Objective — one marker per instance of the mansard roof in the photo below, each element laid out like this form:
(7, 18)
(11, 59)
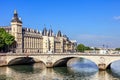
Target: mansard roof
(30, 30)
(15, 17)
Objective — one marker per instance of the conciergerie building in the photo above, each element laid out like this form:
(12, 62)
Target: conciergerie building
(33, 41)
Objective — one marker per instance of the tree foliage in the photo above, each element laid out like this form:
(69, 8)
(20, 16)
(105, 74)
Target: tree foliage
(6, 39)
(1, 42)
(82, 48)
(117, 49)
(9, 39)
(2, 37)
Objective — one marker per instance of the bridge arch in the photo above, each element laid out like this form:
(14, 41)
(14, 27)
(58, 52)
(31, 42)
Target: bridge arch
(62, 62)
(23, 60)
(108, 66)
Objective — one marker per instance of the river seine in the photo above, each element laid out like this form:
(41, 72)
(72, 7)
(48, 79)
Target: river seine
(38, 71)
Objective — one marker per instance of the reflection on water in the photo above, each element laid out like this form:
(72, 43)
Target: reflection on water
(38, 72)
(115, 69)
(23, 68)
(82, 72)
(71, 74)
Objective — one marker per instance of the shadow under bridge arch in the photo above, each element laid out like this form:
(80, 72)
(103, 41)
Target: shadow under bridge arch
(23, 60)
(113, 64)
(62, 62)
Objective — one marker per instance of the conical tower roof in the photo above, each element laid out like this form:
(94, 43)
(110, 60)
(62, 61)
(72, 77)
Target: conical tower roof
(59, 34)
(15, 17)
(50, 33)
(44, 32)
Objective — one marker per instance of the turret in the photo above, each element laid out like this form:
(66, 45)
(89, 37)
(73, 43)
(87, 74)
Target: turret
(45, 40)
(60, 38)
(51, 40)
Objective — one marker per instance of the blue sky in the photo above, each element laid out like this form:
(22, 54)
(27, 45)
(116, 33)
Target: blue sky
(91, 22)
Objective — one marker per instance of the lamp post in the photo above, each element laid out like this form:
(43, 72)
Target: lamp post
(103, 48)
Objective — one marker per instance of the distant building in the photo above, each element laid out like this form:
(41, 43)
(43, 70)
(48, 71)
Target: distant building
(32, 41)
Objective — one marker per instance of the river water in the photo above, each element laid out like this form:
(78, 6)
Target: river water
(38, 71)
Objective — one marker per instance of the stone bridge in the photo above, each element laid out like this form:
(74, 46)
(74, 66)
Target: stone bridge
(103, 61)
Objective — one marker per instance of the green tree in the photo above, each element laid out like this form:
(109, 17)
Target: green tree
(9, 39)
(1, 42)
(117, 49)
(2, 37)
(96, 48)
(80, 48)
(88, 48)
(6, 39)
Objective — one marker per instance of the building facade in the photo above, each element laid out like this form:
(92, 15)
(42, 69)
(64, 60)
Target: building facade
(33, 41)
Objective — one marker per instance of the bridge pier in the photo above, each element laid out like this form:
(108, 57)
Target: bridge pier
(49, 64)
(102, 66)
(3, 60)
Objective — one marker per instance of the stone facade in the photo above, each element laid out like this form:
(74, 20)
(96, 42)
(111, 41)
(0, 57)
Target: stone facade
(33, 41)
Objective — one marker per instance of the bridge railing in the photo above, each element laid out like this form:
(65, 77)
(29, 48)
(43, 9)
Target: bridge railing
(35, 54)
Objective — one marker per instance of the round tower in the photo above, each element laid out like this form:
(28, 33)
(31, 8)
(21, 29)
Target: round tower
(51, 39)
(45, 40)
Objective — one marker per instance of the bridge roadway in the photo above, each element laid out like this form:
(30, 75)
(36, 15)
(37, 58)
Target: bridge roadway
(103, 61)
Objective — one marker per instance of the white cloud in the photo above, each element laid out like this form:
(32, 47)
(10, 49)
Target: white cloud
(116, 17)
